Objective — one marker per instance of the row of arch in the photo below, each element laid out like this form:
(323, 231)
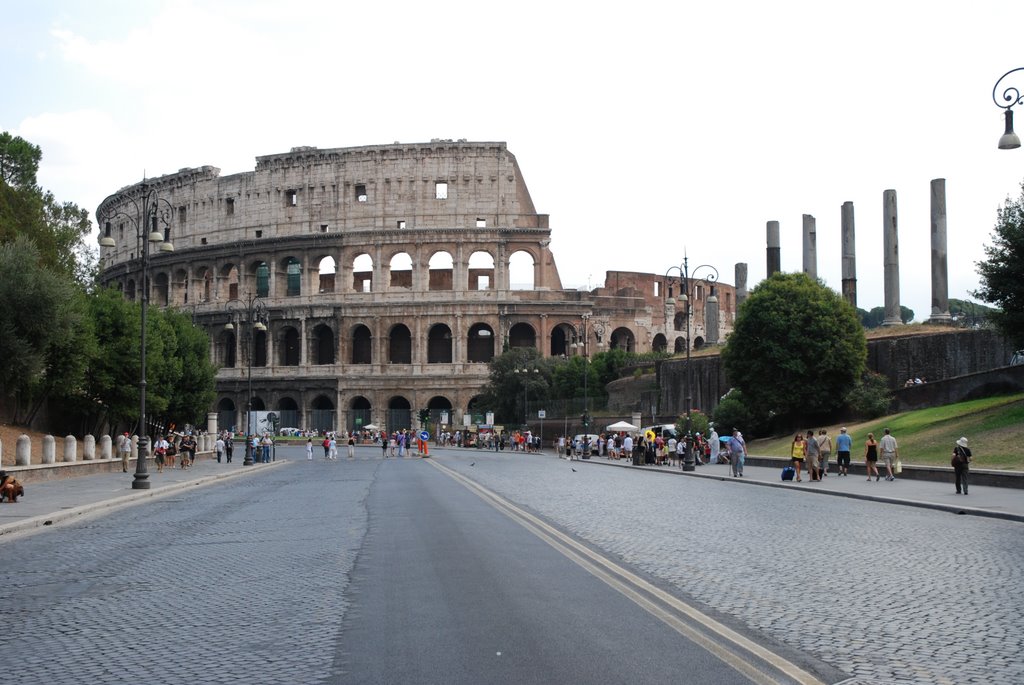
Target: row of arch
(286, 346)
(397, 414)
(289, 277)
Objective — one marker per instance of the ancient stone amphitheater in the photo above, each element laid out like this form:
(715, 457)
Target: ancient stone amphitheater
(352, 286)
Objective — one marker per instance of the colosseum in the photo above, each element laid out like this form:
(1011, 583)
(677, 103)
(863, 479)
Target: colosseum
(351, 286)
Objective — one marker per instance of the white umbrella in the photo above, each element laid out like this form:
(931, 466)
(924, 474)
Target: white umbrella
(371, 427)
(621, 426)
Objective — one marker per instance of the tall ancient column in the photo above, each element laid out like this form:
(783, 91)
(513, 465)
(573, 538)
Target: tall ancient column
(849, 248)
(940, 276)
(810, 247)
(741, 284)
(711, 317)
(891, 260)
(774, 254)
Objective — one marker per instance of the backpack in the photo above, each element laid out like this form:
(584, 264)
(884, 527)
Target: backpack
(327, 442)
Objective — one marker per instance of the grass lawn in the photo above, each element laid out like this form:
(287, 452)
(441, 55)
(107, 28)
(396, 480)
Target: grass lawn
(993, 425)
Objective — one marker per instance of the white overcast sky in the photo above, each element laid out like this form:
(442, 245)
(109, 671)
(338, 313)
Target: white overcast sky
(644, 128)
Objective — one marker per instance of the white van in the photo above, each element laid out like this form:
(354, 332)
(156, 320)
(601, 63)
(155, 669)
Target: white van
(665, 430)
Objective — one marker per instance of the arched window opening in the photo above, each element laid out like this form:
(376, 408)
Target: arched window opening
(680, 345)
(288, 413)
(259, 348)
(520, 271)
(227, 414)
(660, 343)
(323, 345)
(226, 349)
(361, 345)
(522, 335)
(294, 274)
(440, 407)
(362, 273)
(321, 414)
(439, 345)
(399, 414)
(262, 280)
(359, 411)
(400, 345)
(481, 271)
(327, 271)
(622, 339)
(289, 346)
(441, 270)
(401, 271)
(480, 343)
(162, 285)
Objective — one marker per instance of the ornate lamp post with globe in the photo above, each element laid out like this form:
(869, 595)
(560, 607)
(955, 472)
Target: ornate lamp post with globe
(1010, 96)
(255, 319)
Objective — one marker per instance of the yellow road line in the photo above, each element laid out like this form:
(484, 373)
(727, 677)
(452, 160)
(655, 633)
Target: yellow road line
(634, 587)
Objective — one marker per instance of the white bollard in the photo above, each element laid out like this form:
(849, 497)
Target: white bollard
(70, 449)
(23, 451)
(89, 448)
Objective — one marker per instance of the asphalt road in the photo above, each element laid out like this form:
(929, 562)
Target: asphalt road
(476, 567)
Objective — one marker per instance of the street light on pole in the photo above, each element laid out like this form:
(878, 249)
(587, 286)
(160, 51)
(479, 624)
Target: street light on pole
(526, 372)
(1011, 96)
(150, 211)
(255, 320)
(687, 290)
(581, 345)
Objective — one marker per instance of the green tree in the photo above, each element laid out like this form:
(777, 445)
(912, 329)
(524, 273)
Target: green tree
(795, 349)
(508, 385)
(194, 391)
(876, 316)
(45, 336)
(1002, 270)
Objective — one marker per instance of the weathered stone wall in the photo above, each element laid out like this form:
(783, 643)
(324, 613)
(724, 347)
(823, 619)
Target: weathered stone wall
(1004, 380)
(938, 356)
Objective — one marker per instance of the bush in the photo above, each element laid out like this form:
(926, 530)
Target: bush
(698, 423)
(732, 412)
(870, 397)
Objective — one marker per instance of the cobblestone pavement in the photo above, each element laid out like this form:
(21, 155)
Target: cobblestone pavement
(885, 593)
(276, 548)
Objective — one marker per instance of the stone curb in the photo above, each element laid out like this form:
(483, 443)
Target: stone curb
(953, 509)
(41, 520)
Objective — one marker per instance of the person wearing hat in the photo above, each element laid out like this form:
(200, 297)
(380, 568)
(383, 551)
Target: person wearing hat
(124, 450)
(960, 461)
(844, 445)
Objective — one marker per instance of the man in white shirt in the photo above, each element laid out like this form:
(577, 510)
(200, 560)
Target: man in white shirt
(890, 453)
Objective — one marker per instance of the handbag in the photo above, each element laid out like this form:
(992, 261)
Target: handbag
(899, 466)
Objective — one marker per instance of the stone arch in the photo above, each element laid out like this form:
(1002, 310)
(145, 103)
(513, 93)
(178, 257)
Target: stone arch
(622, 339)
(203, 284)
(180, 291)
(441, 269)
(400, 267)
(476, 409)
(400, 344)
(399, 414)
(289, 413)
(698, 342)
(562, 337)
(327, 269)
(291, 283)
(161, 286)
(679, 322)
(680, 344)
(227, 345)
(481, 271)
(660, 343)
(359, 413)
(259, 348)
(323, 344)
(437, 405)
(439, 344)
(480, 343)
(227, 414)
(229, 275)
(261, 272)
(362, 345)
(521, 270)
(289, 342)
(321, 414)
(522, 335)
(362, 273)
(129, 289)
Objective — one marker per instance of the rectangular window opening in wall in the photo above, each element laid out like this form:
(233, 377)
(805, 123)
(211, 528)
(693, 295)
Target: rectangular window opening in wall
(182, 213)
(481, 223)
(657, 289)
(203, 241)
(324, 228)
(360, 192)
(291, 198)
(401, 223)
(259, 234)
(229, 205)
(440, 190)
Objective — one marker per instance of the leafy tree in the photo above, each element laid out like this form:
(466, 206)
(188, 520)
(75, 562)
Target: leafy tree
(506, 389)
(699, 423)
(968, 313)
(876, 316)
(59, 229)
(44, 330)
(194, 391)
(795, 349)
(1002, 271)
(870, 396)
(733, 412)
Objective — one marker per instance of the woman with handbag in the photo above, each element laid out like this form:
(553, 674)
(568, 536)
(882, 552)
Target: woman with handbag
(960, 463)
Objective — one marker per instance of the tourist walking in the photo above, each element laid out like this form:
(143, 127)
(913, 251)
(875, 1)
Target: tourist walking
(824, 450)
(229, 446)
(268, 442)
(714, 446)
(351, 446)
(309, 449)
(796, 453)
(844, 445)
(124, 450)
(187, 447)
(737, 453)
(960, 463)
(218, 447)
(890, 453)
(871, 456)
(332, 448)
(812, 456)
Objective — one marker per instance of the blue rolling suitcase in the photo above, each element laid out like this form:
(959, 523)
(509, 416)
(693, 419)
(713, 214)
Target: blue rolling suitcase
(788, 473)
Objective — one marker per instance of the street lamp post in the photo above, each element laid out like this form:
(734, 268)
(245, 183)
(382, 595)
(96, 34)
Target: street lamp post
(526, 393)
(687, 284)
(150, 211)
(1011, 96)
(581, 344)
(255, 320)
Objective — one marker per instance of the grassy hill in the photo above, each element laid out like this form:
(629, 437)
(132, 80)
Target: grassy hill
(994, 426)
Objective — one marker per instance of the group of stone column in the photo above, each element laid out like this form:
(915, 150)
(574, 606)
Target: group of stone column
(23, 449)
(890, 257)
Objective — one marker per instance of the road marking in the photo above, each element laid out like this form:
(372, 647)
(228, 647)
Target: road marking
(660, 604)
